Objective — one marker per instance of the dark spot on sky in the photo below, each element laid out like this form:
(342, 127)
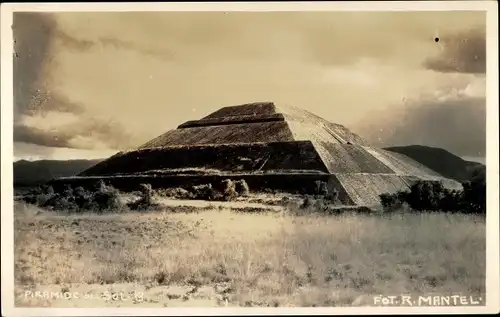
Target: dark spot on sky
(436, 39)
(463, 52)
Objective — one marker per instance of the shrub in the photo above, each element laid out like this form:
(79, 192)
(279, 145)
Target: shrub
(334, 196)
(146, 201)
(474, 196)
(326, 202)
(228, 190)
(84, 199)
(107, 198)
(242, 187)
(390, 202)
(321, 188)
(433, 196)
(426, 195)
(395, 201)
(205, 192)
(306, 203)
(48, 190)
(39, 196)
(325, 195)
(147, 194)
(45, 196)
(452, 201)
(177, 192)
(61, 203)
(103, 197)
(67, 191)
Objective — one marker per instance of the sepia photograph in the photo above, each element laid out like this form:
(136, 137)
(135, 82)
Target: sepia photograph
(196, 156)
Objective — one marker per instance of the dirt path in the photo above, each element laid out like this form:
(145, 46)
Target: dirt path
(219, 204)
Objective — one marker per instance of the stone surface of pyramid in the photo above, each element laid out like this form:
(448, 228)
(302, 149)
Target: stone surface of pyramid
(271, 147)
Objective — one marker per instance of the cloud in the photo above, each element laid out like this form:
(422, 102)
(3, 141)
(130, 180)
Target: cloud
(326, 38)
(32, 152)
(462, 53)
(83, 45)
(72, 42)
(38, 136)
(147, 72)
(33, 33)
(402, 38)
(43, 102)
(453, 120)
(69, 131)
(43, 116)
(156, 53)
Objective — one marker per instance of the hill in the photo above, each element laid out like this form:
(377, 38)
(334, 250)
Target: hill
(441, 161)
(31, 173)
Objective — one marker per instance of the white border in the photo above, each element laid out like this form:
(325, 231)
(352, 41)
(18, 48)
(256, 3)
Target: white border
(492, 156)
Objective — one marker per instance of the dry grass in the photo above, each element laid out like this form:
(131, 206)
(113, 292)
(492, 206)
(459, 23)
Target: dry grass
(260, 259)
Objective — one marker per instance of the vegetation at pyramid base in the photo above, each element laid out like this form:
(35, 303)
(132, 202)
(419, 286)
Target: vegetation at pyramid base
(422, 196)
(433, 196)
(102, 198)
(106, 198)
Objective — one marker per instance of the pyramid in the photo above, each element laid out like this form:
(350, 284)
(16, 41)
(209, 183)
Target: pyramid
(271, 147)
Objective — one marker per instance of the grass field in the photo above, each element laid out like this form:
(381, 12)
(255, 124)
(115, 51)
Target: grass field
(218, 257)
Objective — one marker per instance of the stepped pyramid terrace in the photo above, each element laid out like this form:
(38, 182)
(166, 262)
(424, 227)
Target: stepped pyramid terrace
(270, 147)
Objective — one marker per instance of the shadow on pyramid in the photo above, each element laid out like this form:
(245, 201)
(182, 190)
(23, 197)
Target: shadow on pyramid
(270, 147)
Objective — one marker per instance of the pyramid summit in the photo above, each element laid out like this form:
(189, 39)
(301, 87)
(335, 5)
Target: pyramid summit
(255, 122)
(271, 147)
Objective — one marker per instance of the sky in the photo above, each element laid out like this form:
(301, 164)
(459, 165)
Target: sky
(87, 85)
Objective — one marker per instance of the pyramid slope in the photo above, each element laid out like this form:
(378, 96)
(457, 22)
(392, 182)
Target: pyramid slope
(364, 189)
(223, 159)
(401, 164)
(349, 158)
(256, 122)
(224, 134)
(305, 121)
(269, 146)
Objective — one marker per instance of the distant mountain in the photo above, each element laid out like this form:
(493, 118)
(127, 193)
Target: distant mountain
(31, 173)
(441, 161)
